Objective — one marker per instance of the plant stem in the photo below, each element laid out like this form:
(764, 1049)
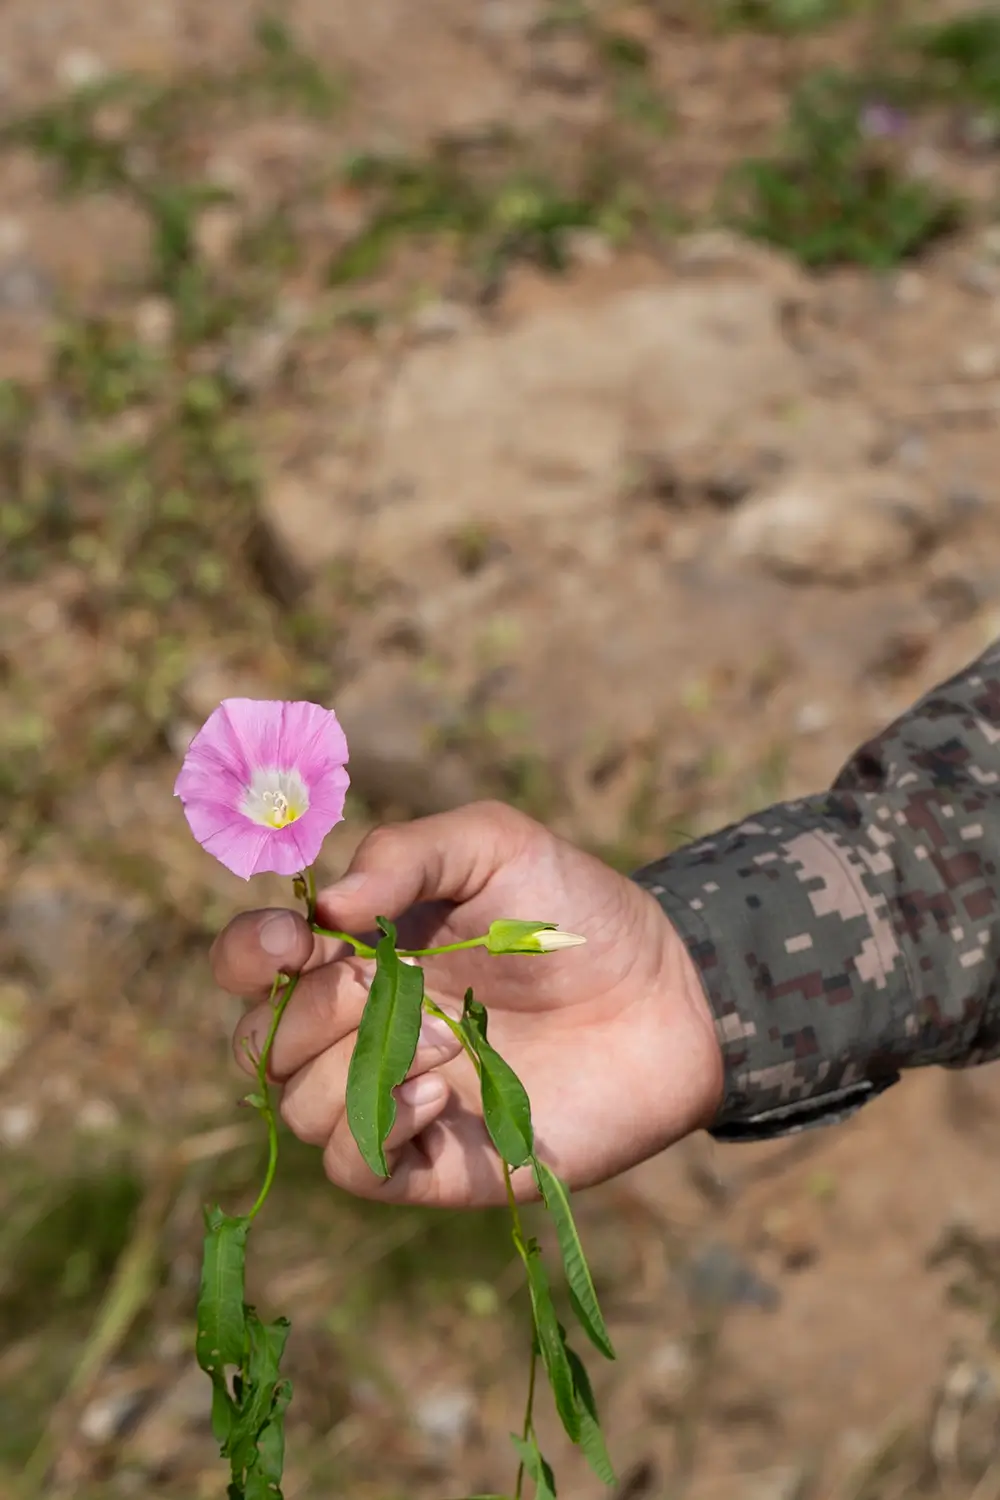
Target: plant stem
(361, 950)
(364, 950)
(519, 1241)
(454, 1026)
(529, 1418)
(477, 942)
(279, 999)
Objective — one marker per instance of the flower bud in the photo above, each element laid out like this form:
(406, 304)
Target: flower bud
(508, 935)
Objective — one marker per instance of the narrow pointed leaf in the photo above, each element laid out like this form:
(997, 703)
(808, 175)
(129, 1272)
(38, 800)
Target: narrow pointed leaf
(506, 1109)
(555, 1195)
(538, 1470)
(551, 1343)
(591, 1436)
(221, 1334)
(383, 1052)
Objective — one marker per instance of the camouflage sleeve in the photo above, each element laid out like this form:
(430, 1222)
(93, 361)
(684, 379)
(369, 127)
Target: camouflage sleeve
(846, 936)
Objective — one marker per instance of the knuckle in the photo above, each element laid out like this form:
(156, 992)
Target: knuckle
(380, 839)
(302, 1118)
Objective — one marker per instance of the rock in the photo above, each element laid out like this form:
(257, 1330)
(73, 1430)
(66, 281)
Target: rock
(666, 1377)
(98, 1117)
(97, 927)
(216, 233)
(107, 1416)
(531, 423)
(563, 60)
(979, 362)
(588, 247)
(24, 289)
(909, 288)
(813, 718)
(18, 1124)
(257, 358)
(717, 1277)
(822, 528)
(394, 724)
(80, 68)
(441, 320)
(446, 1417)
(787, 1482)
(153, 321)
(180, 1410)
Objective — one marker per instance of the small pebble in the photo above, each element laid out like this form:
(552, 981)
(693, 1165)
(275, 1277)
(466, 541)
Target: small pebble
(446, 1416)
(80, 68)
(18, 1123)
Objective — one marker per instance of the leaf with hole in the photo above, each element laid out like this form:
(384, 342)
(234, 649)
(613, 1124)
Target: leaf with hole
(221, 1332)
(266, 1344)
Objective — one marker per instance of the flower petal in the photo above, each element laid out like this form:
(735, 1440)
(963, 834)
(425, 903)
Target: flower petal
(284, 852)
(256, 725)
(241, 846)
(312, 740)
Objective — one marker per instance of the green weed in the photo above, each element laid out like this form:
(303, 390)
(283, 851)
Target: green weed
(831, 195)
(783, 15)
(964, 57)
(524, 218)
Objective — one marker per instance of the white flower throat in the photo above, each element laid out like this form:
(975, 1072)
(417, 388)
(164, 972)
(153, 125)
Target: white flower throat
(275, 798)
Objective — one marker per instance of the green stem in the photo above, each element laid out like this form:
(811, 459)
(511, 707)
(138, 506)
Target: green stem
(279, 999)
(361, 950)
(528, 1426)
(477, 942)
(518, 1236)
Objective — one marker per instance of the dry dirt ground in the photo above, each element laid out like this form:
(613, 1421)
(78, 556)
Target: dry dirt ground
(403, 356)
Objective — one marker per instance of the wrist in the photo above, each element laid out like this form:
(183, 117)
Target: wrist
(689, 1054)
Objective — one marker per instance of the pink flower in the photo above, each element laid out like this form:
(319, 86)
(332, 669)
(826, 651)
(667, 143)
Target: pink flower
(263, 783)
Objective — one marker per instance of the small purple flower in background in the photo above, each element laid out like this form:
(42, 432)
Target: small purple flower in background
(263, 783)
(880, 120)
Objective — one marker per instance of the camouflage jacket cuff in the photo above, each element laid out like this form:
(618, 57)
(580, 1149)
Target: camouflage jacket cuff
(771, 915)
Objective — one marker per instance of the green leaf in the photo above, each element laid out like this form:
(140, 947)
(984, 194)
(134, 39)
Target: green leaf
(555, 1195)
(266, 1346)
(264, 1479)
(221, 1336)
(506, 1108)
(383, 1052)
(591, 1436)
(551, 1343)
(538, 1470)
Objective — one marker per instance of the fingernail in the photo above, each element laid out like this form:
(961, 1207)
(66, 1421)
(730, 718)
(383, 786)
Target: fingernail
(277, 934)
(426, 1089)
(347, 884)
(435, 1033)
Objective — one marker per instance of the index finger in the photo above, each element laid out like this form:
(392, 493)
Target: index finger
(256, 945)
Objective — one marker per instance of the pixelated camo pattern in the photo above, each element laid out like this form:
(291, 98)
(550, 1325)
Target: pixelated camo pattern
(846, 936)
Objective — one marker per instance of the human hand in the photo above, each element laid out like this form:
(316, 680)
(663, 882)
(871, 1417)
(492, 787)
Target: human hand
(614, 1041)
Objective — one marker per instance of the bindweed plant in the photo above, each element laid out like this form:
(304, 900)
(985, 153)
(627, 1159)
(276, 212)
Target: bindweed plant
(261, 785)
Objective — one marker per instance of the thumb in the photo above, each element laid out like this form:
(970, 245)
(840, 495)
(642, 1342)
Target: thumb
(448, 856)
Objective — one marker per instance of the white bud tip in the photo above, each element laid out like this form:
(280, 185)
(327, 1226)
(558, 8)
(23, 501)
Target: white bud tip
(549, 940)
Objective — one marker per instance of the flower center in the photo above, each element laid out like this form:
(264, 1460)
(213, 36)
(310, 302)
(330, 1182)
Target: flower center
(275, 798)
